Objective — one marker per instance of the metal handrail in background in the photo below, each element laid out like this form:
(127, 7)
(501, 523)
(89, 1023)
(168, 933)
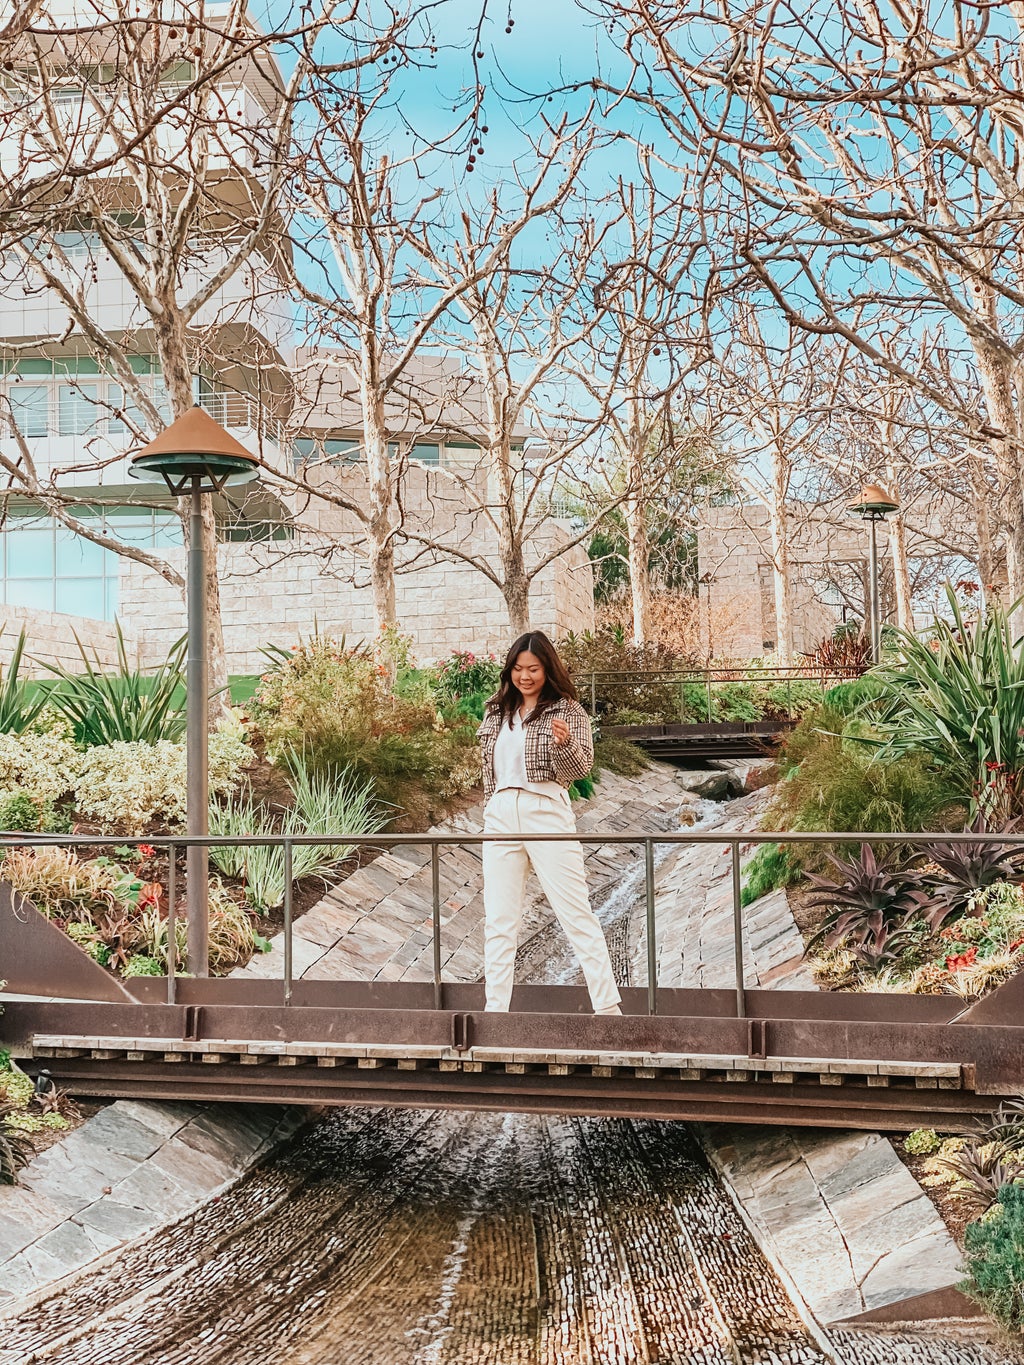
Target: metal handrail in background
(590, 680)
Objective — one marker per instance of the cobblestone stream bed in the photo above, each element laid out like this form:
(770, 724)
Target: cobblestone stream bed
(409, 1238)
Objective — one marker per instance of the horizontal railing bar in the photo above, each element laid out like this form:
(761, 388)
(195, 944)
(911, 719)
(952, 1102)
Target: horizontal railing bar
(724, 674)
(702, 836)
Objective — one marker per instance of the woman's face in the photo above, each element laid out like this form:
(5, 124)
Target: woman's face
(528, 675)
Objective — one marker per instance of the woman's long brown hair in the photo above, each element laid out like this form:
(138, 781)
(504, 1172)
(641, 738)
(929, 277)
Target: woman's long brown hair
(558, 686)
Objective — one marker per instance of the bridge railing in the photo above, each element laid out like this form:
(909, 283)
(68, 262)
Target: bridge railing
(673, 693)
(735, 841)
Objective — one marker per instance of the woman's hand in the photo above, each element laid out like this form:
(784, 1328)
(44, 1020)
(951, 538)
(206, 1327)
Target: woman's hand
(559, 732)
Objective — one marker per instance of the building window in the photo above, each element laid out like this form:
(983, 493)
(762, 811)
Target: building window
(425, 453)
(30, 408)
(76, 409)
(332, 450)
(46, 566)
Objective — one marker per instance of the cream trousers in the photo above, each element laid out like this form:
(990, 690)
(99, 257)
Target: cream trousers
(559, 869)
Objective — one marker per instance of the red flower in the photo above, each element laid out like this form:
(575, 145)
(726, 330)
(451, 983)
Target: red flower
(147, 851)
(956, 964)
(150, 894)
(1017, 943)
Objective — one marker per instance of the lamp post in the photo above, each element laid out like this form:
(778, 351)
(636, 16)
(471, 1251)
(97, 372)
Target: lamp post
(193, 456)
(874, 505)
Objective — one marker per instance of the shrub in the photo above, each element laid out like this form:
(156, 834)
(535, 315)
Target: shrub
(463, 674)
(608, 650)
(21, 813)
(770, 868)
(141, 965)
(128, 787)
(922, 1142)
(994, 1257)
(323, 805)
(847, 648)
(850, 698)
(41, 766)
(837, 787)
(619, 756)
(126, 706)
(335, 707)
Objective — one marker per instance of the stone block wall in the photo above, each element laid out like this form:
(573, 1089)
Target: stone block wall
(734, 547)
(272, 593)
(51, 640)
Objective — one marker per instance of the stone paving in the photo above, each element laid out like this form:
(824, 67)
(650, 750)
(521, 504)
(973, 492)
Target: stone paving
(376, 925)
(126, 1171)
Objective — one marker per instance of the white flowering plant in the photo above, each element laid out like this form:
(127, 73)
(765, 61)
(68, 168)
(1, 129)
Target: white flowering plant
(127, 787)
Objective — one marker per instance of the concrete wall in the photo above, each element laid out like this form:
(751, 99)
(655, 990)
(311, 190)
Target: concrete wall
(51, 640)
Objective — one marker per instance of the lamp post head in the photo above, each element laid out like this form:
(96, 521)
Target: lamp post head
(194, 454)
(874, 502)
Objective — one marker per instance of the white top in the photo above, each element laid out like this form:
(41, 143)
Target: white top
(510, 761)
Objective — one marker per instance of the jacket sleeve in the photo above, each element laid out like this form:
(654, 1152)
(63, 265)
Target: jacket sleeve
(575, 758)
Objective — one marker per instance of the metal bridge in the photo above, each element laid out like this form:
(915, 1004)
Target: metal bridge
(677, 696)
(857, 1060)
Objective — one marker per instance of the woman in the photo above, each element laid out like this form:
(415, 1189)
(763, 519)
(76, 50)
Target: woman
(535, 739)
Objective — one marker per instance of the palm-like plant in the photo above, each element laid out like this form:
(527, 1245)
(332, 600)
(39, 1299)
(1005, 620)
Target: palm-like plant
(15, 1146)
(125, 705)
(959, 696)
(19, 704)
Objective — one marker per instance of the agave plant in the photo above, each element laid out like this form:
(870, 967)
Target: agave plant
(982, 1170)
(968, 869)
(15, 1147)
(868, 903)
(126, 705)
(20, 703)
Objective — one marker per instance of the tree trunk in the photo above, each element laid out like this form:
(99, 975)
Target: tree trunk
(897, 532)
(994, 371)
(639, 552)
(981, 495)
(380, 526)
(780, 555)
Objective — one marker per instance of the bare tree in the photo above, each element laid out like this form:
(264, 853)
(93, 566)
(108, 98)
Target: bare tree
(868, 178)
(145, 156)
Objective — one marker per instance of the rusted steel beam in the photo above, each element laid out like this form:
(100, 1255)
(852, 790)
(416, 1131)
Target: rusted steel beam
(707, 1101)
(994, 1052)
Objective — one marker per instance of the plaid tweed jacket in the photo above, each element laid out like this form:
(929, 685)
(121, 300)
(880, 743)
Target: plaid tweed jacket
(545, 761)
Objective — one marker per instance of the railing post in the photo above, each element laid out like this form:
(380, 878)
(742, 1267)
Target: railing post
(287, 921)
(682, 701)
(652, 932)
(172, 926)
(737, 930)
(707, 679)
(435, 915)
(593, 693)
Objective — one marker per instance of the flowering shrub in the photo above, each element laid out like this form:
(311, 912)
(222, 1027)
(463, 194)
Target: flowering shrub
(464, 673)
(119, 919)
(127, 787)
